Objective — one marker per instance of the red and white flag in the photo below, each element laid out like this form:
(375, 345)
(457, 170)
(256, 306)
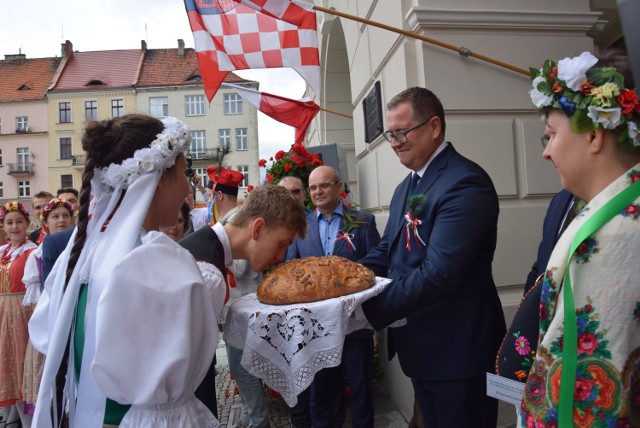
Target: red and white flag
(231, 36)
(296, 12)
(298, 114)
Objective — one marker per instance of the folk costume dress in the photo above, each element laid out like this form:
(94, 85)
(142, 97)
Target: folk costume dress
(14, 319)
(135, 316)
(605, 279)
(33, 360)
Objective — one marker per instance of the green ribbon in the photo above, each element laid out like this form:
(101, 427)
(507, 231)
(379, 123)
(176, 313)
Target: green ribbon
(570, 343)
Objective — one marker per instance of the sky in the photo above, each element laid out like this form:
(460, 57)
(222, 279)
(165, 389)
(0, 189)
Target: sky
(38, 27)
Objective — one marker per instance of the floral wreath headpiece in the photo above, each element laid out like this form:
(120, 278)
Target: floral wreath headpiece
(159, 156)
(52, 205)
(592, 96)
(11, 207)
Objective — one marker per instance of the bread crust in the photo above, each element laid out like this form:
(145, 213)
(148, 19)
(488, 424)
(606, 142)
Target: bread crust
(312, 279)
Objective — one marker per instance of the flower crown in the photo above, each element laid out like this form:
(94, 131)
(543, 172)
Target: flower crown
(12, 206)
(161, 155)
(52, 205)
(592, 96)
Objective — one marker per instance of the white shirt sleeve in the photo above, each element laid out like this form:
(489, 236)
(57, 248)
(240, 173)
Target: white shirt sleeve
(31, 278)
(156, 331)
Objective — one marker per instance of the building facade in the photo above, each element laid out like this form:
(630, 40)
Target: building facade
(223, 131)
(24, 148)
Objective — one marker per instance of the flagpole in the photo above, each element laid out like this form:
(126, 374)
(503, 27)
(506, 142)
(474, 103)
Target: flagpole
(461, 50)
(328, 110)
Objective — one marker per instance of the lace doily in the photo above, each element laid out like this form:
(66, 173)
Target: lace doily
(286, 346)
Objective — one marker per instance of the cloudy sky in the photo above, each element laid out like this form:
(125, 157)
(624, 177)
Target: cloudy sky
(38, 27)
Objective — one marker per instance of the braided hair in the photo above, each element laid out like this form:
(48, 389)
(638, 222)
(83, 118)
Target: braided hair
(105, 143)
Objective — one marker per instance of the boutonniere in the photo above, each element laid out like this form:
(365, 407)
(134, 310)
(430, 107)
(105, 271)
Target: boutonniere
(415, 204)
(350, 221)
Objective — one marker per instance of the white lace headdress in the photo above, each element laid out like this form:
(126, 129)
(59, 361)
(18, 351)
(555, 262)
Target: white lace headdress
(139, 177)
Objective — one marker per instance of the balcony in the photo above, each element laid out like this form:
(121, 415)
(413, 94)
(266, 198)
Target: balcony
(203, 154)
(21, 168)
(78, 160)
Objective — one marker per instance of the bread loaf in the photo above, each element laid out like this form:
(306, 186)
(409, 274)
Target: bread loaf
(312, 279)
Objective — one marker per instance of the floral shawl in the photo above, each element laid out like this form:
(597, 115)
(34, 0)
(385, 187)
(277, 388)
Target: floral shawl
(605, 276)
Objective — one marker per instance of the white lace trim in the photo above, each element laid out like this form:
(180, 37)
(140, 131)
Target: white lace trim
(160, 156)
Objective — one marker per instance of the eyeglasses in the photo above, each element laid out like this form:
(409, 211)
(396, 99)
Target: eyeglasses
(296, 192)
(321, 186)
(401, 136)
(545, 140)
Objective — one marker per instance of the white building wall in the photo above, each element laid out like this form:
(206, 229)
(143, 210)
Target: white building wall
(489, 116)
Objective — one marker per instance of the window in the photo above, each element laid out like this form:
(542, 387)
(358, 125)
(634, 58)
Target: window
(22, 156)
(159, 106)
(22, 124)
(241, 139)
(65, 149)
(194, 105)
(117, 108)
(24, 189)
(202, 172)
(224, 138)
(1, 189)
(232, 104)
(64, 110)
(244, 169)
(198, 144)
(91, 110)
(66, 180)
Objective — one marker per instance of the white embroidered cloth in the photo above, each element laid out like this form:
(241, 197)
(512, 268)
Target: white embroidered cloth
(287, 345)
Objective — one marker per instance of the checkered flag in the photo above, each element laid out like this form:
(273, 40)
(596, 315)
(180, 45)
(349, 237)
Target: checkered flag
(231, 36)
(296, 12)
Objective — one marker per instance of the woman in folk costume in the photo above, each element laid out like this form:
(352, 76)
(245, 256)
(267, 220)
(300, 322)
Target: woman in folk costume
(586, 372)
(125, 306)
(14, 318)
(55, 216)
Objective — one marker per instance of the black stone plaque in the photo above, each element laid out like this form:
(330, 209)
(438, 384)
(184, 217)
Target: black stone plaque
(372, 107)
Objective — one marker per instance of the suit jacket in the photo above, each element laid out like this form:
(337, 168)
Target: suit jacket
(550, 228)
(52, 247)
(365, 237)
(445, 290)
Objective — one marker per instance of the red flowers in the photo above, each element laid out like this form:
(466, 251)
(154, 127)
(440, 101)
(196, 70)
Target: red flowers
(583, 388)
(587, 343)
(557, 88)
(586, 88)
(262, 163)
(629, 102)
(250, 188)
(297, 162)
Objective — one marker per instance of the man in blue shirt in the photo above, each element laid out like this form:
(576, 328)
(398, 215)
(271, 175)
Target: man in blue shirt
(335, 229)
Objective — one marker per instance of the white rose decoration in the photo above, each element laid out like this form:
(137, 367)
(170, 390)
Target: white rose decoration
(538, 98)
(609, 118)
(574, 70)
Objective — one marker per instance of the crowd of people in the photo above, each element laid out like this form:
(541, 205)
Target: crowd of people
(129, 303)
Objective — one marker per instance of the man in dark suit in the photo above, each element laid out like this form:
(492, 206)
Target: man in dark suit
(438, 246)
(338, 230)
(554, 220)
(52, 247)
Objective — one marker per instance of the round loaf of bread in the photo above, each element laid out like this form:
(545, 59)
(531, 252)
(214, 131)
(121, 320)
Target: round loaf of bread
(312, 279)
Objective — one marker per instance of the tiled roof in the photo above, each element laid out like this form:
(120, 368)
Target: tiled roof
(163, 67)
(100, 69)
(32, 75)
